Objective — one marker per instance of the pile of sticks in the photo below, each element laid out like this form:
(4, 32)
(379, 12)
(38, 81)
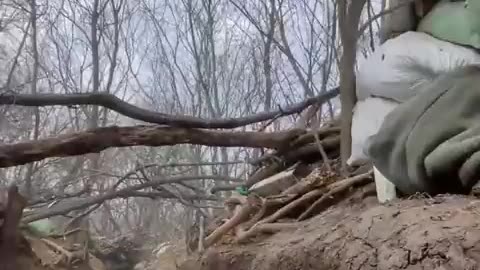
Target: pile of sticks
(312, 184)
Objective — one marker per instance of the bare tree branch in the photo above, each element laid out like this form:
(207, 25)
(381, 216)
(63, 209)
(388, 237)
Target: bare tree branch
(154, 195)
(112, 102)
(97, 140)
(65, 208)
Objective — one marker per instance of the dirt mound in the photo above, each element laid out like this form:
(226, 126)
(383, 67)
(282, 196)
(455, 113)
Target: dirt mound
(418, 233)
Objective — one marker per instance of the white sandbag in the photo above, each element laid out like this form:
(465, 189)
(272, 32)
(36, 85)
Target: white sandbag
(386, 190)
(401, 64)
(368, 116)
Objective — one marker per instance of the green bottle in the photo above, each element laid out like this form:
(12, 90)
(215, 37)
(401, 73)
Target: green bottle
(242, 190)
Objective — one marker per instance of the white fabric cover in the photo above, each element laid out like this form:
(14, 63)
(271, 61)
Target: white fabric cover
(367, 119)
(386, 190)
(406, 61)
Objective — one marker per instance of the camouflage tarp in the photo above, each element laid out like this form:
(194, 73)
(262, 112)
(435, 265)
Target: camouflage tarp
(431, 142)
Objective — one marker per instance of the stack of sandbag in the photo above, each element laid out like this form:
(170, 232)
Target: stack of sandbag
(431, 143)
(409, 73)
(368, 116)
(402, 66)
(394, 73)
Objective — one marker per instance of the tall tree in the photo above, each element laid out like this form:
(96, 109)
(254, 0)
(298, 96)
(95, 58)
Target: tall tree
(349, 12)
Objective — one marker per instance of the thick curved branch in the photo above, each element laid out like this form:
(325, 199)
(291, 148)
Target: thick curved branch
(97, 140)
(113, 103)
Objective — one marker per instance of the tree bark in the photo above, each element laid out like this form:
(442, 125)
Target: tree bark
(36, 111)
(349, 12)
(130, 191)
(97, 140)
(113, 103)
(9, 229)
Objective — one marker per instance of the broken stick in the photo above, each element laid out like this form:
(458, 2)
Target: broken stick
(290, 206)
(336, 188)
(264, 228)
(241, 214)
(63, 252)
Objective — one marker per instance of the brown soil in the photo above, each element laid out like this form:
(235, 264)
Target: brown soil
(422, 233)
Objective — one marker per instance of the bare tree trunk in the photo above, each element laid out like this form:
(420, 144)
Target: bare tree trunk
(94, 115)
(36, 111)
(93, 118)
(349, 12)
(267, 61)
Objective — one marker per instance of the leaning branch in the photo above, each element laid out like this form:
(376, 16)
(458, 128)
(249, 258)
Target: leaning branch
(113, 103)
(97, 140)
(130, 191)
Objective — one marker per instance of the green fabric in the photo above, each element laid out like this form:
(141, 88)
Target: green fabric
(243, 190)
(42, 227)
(456, 22)
(431, 143)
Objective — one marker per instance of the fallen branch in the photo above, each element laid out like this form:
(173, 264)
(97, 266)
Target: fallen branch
(299, 152)
(322, 151)
(335, 189)
(257, 217)
(305, 140)
(97, 140)
(322, 133)
(113, 103)
(65, 234)
(292, 205)
(154, 195)
(241, 214)
(65, 254)
(232, 203)
(312, 148)
(303, 186)
(279, 199)
(242, 236)
(65, 208)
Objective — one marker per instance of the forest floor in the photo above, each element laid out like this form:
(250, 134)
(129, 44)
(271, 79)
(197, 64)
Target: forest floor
(420, 232)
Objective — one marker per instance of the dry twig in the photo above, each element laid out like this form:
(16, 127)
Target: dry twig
(336, 188)
(65, 253)
(264, 228)
(241, 214)
(292, 205)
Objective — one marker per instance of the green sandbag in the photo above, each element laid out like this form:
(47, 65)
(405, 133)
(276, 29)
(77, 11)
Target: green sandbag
(431, 143)
(456, 22)
(42, 227)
